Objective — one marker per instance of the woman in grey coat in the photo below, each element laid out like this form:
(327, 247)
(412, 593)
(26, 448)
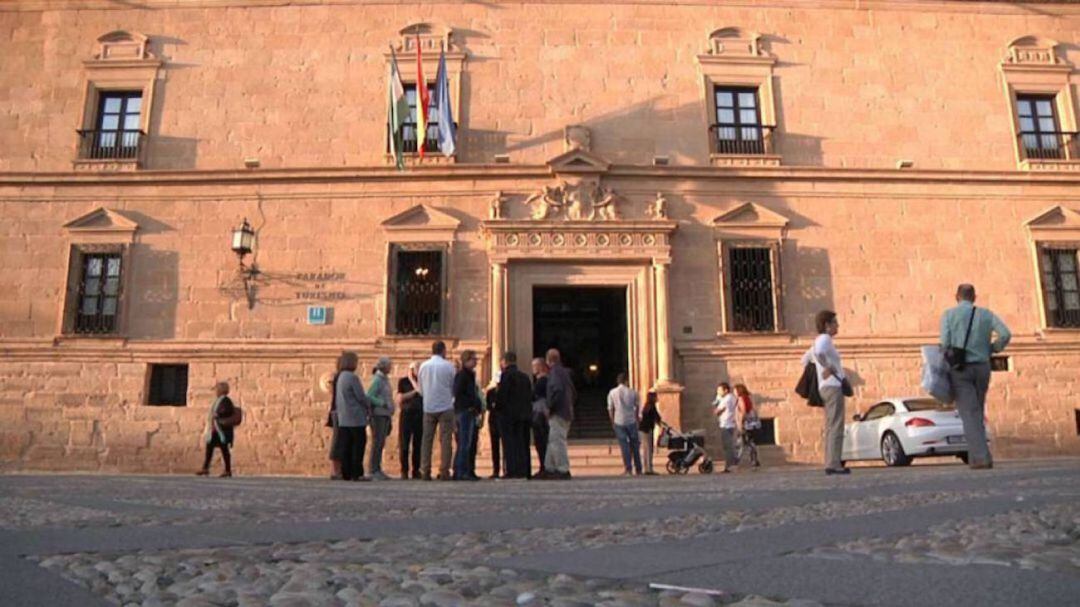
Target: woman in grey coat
(382, 408)
(353, 411)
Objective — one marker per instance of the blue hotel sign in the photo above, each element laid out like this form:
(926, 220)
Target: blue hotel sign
(316, 315)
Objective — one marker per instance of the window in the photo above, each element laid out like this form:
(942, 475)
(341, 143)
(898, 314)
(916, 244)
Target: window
(766, 434)
(751, 288)
(879, 411)
(738, 128)
(98, 303)
(1061, 286)
(409, 133)
(417, 292)
(168, 385)
(1039, 132)
(117, 130)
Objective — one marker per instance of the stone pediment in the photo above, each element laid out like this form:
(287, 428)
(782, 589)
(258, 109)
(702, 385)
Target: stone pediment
(103, 222)
(1055, 223)
(578, 161)
(751, 220)
(422, 222)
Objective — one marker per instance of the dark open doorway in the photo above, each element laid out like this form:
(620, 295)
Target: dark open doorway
(588, 326)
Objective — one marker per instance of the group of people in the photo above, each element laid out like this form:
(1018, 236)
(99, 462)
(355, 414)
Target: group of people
(443, 398)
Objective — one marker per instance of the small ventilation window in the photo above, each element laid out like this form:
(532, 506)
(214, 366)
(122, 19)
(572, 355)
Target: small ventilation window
(766, 435)
(168, 385)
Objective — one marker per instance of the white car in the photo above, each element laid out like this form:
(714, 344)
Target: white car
(899, 429)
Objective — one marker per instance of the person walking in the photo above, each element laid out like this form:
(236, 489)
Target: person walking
(382, 416)
(495, 425)
(467, 406)
(410, 422)
(831, 381)
(437, 389)
(748, 423)
(219, 430)
(970, 330)
(650, 418)
(514, 399)
(540, 428)
(623, 410)
(353, 413)
(560, 402)
(725, 405)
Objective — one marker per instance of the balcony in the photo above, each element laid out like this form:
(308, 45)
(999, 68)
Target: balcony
(1050, 151)
(742, 145)
(410, 146)
(110, 149)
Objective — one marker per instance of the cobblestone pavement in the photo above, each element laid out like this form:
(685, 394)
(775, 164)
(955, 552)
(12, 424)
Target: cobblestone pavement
(775, 537)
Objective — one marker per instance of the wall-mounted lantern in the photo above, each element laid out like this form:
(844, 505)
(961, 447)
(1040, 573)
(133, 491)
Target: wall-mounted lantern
(243, 243)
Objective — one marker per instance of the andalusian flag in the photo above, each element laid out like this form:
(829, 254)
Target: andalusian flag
(422, 101)
(397, 111)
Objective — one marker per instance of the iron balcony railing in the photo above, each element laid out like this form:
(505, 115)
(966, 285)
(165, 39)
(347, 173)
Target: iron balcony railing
(1050, 145)
(110, 144)
(741, 139)
(431, 141)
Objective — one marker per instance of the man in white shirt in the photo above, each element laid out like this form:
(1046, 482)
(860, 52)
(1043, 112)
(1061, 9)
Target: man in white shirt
(725, 404)
(624, 409)
(437, 388)
(830, 374)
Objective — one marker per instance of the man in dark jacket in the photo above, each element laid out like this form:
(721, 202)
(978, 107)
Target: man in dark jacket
(514, 400)
(467, 406)
(560, 402)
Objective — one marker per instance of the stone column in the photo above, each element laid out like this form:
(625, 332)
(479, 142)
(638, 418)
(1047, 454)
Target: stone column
(668, 392)
(663, 330)
(498, 313)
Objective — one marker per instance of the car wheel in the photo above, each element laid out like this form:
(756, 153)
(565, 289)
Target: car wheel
(963, 457)
(892, 452)
(706, 467)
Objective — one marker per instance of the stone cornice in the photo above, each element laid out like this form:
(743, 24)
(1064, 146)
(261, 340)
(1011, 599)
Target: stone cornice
(728, 347)
(469, 172)
(1017, 7)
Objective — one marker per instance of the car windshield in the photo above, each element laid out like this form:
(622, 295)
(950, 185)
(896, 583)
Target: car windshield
(926, 404)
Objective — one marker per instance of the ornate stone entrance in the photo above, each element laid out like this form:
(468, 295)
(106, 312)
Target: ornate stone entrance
(574, 234)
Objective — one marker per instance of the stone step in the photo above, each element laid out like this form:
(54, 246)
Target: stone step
(587, 458)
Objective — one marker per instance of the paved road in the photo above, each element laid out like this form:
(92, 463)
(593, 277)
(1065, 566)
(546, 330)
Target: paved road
(924, 535)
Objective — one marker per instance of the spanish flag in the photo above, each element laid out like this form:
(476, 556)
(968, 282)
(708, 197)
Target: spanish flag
(422, 101)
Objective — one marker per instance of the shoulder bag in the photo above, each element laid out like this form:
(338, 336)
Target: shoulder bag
(957, 357)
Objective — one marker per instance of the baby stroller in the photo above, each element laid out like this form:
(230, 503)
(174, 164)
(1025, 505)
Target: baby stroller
(684, 450)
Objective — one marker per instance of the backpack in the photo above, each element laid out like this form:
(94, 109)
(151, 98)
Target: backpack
(808, 386)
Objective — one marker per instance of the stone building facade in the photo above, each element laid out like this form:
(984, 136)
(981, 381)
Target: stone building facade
(672, 189)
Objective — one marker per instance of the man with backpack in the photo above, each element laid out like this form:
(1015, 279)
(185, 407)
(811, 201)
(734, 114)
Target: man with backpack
(967, 340)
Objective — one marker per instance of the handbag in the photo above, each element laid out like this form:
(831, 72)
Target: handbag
(845, 387)
(808, 386)
(957, 357)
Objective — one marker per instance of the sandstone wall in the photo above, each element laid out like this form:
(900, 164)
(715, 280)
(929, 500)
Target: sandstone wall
(304, 85)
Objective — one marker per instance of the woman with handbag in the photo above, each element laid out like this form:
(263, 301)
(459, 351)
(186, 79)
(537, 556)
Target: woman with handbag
(219, 430)
(833, 386)
(748, 424)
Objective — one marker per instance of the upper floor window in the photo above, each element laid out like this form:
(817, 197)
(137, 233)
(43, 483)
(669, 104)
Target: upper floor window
(417, 290)
(117, 132)
(409, 130)
(1039, 130)
(1061, 286)
(98, 304)
(738, 128)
